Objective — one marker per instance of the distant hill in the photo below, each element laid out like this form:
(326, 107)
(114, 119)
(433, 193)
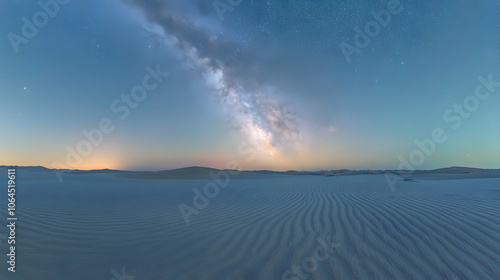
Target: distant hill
(197, 172)
(29, 168)
(194, 172)
(458, 170)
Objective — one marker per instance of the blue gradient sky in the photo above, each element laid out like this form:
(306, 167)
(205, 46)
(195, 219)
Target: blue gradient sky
(270, 77)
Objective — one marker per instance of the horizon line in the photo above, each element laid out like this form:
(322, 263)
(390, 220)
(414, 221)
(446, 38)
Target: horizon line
(254, 170)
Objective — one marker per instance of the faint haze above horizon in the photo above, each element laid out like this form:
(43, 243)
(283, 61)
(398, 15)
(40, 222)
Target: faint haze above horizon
(267, 85)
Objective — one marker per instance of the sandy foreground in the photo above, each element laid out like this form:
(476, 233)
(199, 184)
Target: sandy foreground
(111, 226)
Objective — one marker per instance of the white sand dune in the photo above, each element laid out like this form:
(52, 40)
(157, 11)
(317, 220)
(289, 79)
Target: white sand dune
(256, 228)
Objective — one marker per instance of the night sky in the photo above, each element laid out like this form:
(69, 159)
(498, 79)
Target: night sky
(264, 83)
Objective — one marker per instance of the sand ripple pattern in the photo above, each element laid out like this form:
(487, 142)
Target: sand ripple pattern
(258, 229)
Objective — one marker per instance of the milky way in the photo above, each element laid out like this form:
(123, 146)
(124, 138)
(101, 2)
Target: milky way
(266, 122)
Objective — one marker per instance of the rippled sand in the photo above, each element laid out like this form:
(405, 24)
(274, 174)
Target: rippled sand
(257, 228)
